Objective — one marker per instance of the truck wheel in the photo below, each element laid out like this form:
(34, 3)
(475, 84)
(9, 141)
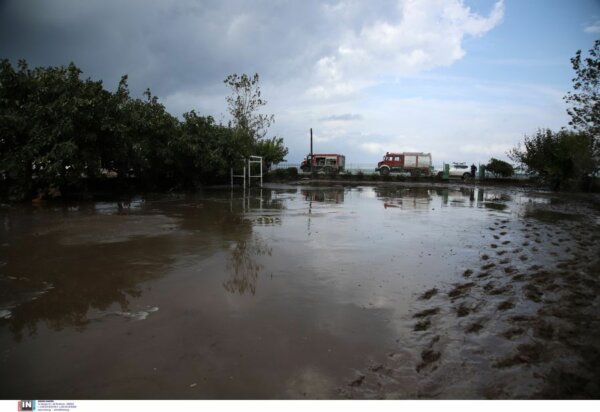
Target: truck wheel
(466, 176)
(384, 171)
(328, 170)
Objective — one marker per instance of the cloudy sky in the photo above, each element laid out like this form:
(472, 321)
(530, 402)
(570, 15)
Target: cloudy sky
(462, 79)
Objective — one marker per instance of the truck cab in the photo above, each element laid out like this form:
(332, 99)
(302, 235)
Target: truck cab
(326, 163)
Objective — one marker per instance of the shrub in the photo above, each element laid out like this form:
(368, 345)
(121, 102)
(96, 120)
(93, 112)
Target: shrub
(500, 167)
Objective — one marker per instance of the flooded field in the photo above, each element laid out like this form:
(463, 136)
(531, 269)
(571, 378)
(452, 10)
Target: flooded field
(298, 292)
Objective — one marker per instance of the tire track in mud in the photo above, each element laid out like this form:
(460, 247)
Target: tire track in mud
(524, 323)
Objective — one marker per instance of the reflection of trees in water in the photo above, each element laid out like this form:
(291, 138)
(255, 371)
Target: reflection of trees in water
(95, 276)
(62, 293)
(243, 266)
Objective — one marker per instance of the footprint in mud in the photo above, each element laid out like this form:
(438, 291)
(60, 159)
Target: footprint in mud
(429, 355)
(493, 246)
(523, 258)
(429, 294)
(504, 261)
(358, 381)
(517, 250)
(509, 270)
(527, 353)
(475, 327)
(537, 240)
(501, 252)
(464, 310)
(500, 290)
(488, 266)
(496, 237)
(491, 228)
(488, 286)
(422, 325)
(513, 332)
(506, 242)
(543, 330)
(519, 278)
(533, 293)
(427, 312)
(534, 249)
(483, 275)
(527, 236)
(506, 305)
(503, 233)
(467, 273)
(484, 257)
(526, 243)
(460, 290)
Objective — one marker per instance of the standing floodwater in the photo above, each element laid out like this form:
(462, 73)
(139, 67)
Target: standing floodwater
(297, 292)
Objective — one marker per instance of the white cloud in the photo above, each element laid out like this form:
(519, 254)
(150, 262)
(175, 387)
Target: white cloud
(593, 27)
(423, 35)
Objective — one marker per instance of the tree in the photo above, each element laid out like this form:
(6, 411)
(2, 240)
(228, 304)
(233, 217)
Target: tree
(560, 158)
(500, 167)
(50, 124)
(244, 104)
(272, 150)
(585, 99)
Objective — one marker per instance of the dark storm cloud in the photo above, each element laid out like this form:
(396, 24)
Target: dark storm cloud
(172, 45)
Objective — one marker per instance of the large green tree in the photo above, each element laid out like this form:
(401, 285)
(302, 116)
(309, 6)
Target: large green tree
(244, 106)
(50, 123)
(59, 130)
(560, 158)
(585, 97)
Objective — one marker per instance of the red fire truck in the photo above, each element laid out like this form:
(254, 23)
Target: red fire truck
(417, 164)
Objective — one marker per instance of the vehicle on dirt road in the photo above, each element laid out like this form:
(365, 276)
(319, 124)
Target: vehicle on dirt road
(324, 163)
(417, 164)
(461, 170)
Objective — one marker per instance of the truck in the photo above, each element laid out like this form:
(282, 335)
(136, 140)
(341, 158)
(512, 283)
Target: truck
(326, 163)
(415, 163)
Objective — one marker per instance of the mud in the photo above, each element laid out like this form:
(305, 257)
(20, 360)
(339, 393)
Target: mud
(298, 292)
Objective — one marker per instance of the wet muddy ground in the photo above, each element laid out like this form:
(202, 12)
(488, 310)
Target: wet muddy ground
(298, 292)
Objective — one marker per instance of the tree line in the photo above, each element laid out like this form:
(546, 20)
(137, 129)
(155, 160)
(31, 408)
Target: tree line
(59, 132)
(569, 159)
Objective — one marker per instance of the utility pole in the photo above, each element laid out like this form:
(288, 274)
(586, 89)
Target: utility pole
(311, 152)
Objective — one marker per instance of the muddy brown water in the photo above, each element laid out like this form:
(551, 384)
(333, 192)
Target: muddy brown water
(299, 292)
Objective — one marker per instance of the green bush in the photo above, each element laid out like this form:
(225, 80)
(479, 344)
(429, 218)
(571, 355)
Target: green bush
(500, 167)
(292, 172)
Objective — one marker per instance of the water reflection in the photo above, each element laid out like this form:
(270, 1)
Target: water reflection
(62, 266)
(243, 265)
(335, 195)
(404, 198)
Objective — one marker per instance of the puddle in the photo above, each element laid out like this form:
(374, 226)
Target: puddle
(299, 292)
